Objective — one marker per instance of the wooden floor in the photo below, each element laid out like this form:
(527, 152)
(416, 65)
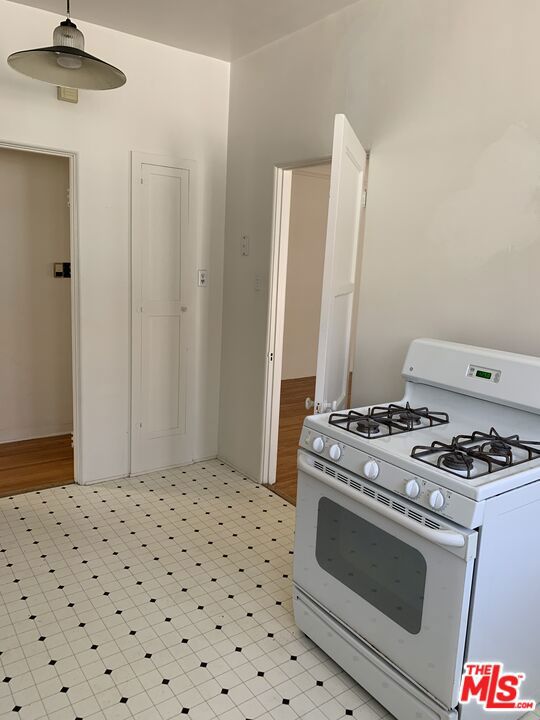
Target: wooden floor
(291, 416)
(35, 464)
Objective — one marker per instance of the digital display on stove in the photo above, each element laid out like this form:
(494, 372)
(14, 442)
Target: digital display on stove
(484, 374)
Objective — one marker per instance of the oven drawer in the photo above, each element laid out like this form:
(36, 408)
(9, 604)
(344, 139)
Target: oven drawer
(400, 584)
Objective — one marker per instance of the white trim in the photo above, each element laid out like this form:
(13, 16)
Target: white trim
(73, 158)
(276, 312)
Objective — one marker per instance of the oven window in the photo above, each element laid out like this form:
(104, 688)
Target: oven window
(378, 567)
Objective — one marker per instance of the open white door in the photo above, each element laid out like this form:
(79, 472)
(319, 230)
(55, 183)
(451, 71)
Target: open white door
(162, 333)
(342, 239)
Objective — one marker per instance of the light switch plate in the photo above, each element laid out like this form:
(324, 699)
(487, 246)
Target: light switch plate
(203, 278)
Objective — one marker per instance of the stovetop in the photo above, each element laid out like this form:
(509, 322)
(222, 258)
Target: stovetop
(472, 446)
(392, 419)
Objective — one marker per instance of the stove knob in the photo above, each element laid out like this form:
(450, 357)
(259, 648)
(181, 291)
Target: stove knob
(436, 500)
(371, 470)
(335, 452)
(318, 445)
(412, 489)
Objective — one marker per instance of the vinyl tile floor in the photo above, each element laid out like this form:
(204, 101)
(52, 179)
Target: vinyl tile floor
(163, 596)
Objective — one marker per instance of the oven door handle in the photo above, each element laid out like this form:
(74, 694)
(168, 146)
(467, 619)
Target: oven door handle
(446, 538)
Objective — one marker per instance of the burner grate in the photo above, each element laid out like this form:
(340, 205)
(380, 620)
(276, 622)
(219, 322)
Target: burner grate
(387, 420)
(477, 454)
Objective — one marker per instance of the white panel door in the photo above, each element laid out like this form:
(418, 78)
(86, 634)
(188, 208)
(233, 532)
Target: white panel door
(162, 282)
(339, 276)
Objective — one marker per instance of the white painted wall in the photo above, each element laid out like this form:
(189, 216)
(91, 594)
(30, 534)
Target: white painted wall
(443, 93)
(305, 263)
(175, 103)
(35, 307)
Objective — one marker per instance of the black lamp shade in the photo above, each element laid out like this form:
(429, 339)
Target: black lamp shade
(67, 67)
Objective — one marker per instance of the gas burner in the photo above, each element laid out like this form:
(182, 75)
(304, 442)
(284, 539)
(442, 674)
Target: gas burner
(408, 418)
(477, 454)
(387, 420)
(499, 448)
(367, 425)
(457, 461)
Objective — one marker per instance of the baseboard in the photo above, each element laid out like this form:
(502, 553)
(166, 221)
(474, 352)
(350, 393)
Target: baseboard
(34, 435)
(102, 480)
(245, 475)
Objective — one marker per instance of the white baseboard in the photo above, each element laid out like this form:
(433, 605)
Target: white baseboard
(239, 470)
(102, 480)
(33, 434)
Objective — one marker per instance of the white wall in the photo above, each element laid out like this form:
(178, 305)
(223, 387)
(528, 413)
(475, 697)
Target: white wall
(305, 263)
(35, 307)
(174, 103)
(443, 93)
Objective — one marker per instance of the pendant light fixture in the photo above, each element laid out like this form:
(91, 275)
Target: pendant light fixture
(66, 64)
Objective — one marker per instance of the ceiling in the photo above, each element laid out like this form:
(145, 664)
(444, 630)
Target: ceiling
(225, 29)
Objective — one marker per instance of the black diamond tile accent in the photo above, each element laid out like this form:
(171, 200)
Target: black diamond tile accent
(224, 691)
(64, 689)
(285, 701)
(348, 712)
(107, 671)
(165, 681)
(124, 700)
(6, 679)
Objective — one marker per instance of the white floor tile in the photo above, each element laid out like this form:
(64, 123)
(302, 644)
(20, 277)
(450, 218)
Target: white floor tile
(164, 596)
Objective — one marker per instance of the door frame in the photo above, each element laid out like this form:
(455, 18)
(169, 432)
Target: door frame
(276, 311)
(73, 158)
(137, 159)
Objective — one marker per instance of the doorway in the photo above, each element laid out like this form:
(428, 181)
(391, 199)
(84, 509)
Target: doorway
(308, 218)
(37, 395)
(316, 253)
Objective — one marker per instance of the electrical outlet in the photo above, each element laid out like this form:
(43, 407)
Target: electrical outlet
(245, 245)
(203, 278)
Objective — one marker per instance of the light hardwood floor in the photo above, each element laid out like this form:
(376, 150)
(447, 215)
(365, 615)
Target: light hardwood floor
(291, 417)
(35, 464)
(292, 413)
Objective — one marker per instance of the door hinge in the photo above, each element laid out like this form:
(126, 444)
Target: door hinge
(271, 357)
(142, 181)
(68, 197)
(364, 198)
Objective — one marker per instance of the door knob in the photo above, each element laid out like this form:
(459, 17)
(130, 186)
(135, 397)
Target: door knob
(309, 403)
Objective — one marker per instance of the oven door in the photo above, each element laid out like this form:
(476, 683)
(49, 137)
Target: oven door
(401, 585)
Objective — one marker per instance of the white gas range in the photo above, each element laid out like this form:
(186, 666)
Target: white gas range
(418, 530)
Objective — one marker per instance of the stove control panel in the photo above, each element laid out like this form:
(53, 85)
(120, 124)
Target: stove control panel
(461, 510)
(482, 373)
